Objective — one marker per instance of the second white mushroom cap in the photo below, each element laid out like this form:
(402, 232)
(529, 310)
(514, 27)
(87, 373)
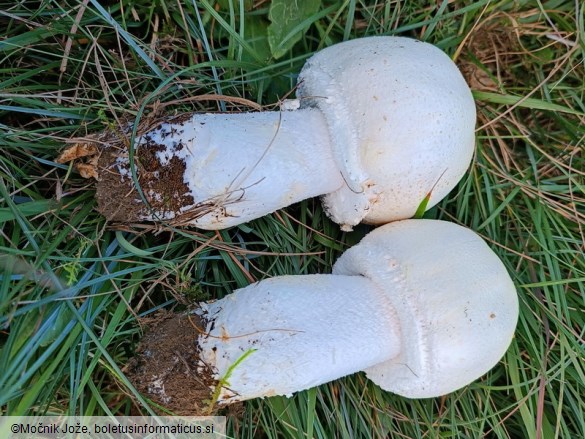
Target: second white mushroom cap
(456, 304)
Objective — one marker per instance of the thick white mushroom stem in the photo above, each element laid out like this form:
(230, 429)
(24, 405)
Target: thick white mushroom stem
(244, 166)
(290, 333)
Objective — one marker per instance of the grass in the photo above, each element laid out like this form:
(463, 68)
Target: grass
(72, 288)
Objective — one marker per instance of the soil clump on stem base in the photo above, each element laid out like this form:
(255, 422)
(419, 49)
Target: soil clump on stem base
(162, 186)
(167, 368)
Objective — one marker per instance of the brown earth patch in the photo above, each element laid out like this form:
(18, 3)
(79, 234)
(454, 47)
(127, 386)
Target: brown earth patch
(158, 191)
(162, 185)
(167, 368)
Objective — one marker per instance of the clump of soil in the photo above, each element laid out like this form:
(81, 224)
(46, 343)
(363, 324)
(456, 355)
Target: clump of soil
(158, 159)
(162, 185)
(167, 368)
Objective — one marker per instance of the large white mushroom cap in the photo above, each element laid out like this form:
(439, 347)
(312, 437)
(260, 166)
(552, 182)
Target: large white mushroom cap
(456, 304)
(401, 119)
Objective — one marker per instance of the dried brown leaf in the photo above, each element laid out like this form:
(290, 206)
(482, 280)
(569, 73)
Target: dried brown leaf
(89, 169)
(77, 151)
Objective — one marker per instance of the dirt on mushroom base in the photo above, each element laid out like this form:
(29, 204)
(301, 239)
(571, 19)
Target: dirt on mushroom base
(163, 186)
(105, 157)
(167, 368)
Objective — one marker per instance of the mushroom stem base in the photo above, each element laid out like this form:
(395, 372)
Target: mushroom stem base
(167, 368)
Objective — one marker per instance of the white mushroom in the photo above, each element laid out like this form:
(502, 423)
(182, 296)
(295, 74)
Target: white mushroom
(424, 307)
(380, 123)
